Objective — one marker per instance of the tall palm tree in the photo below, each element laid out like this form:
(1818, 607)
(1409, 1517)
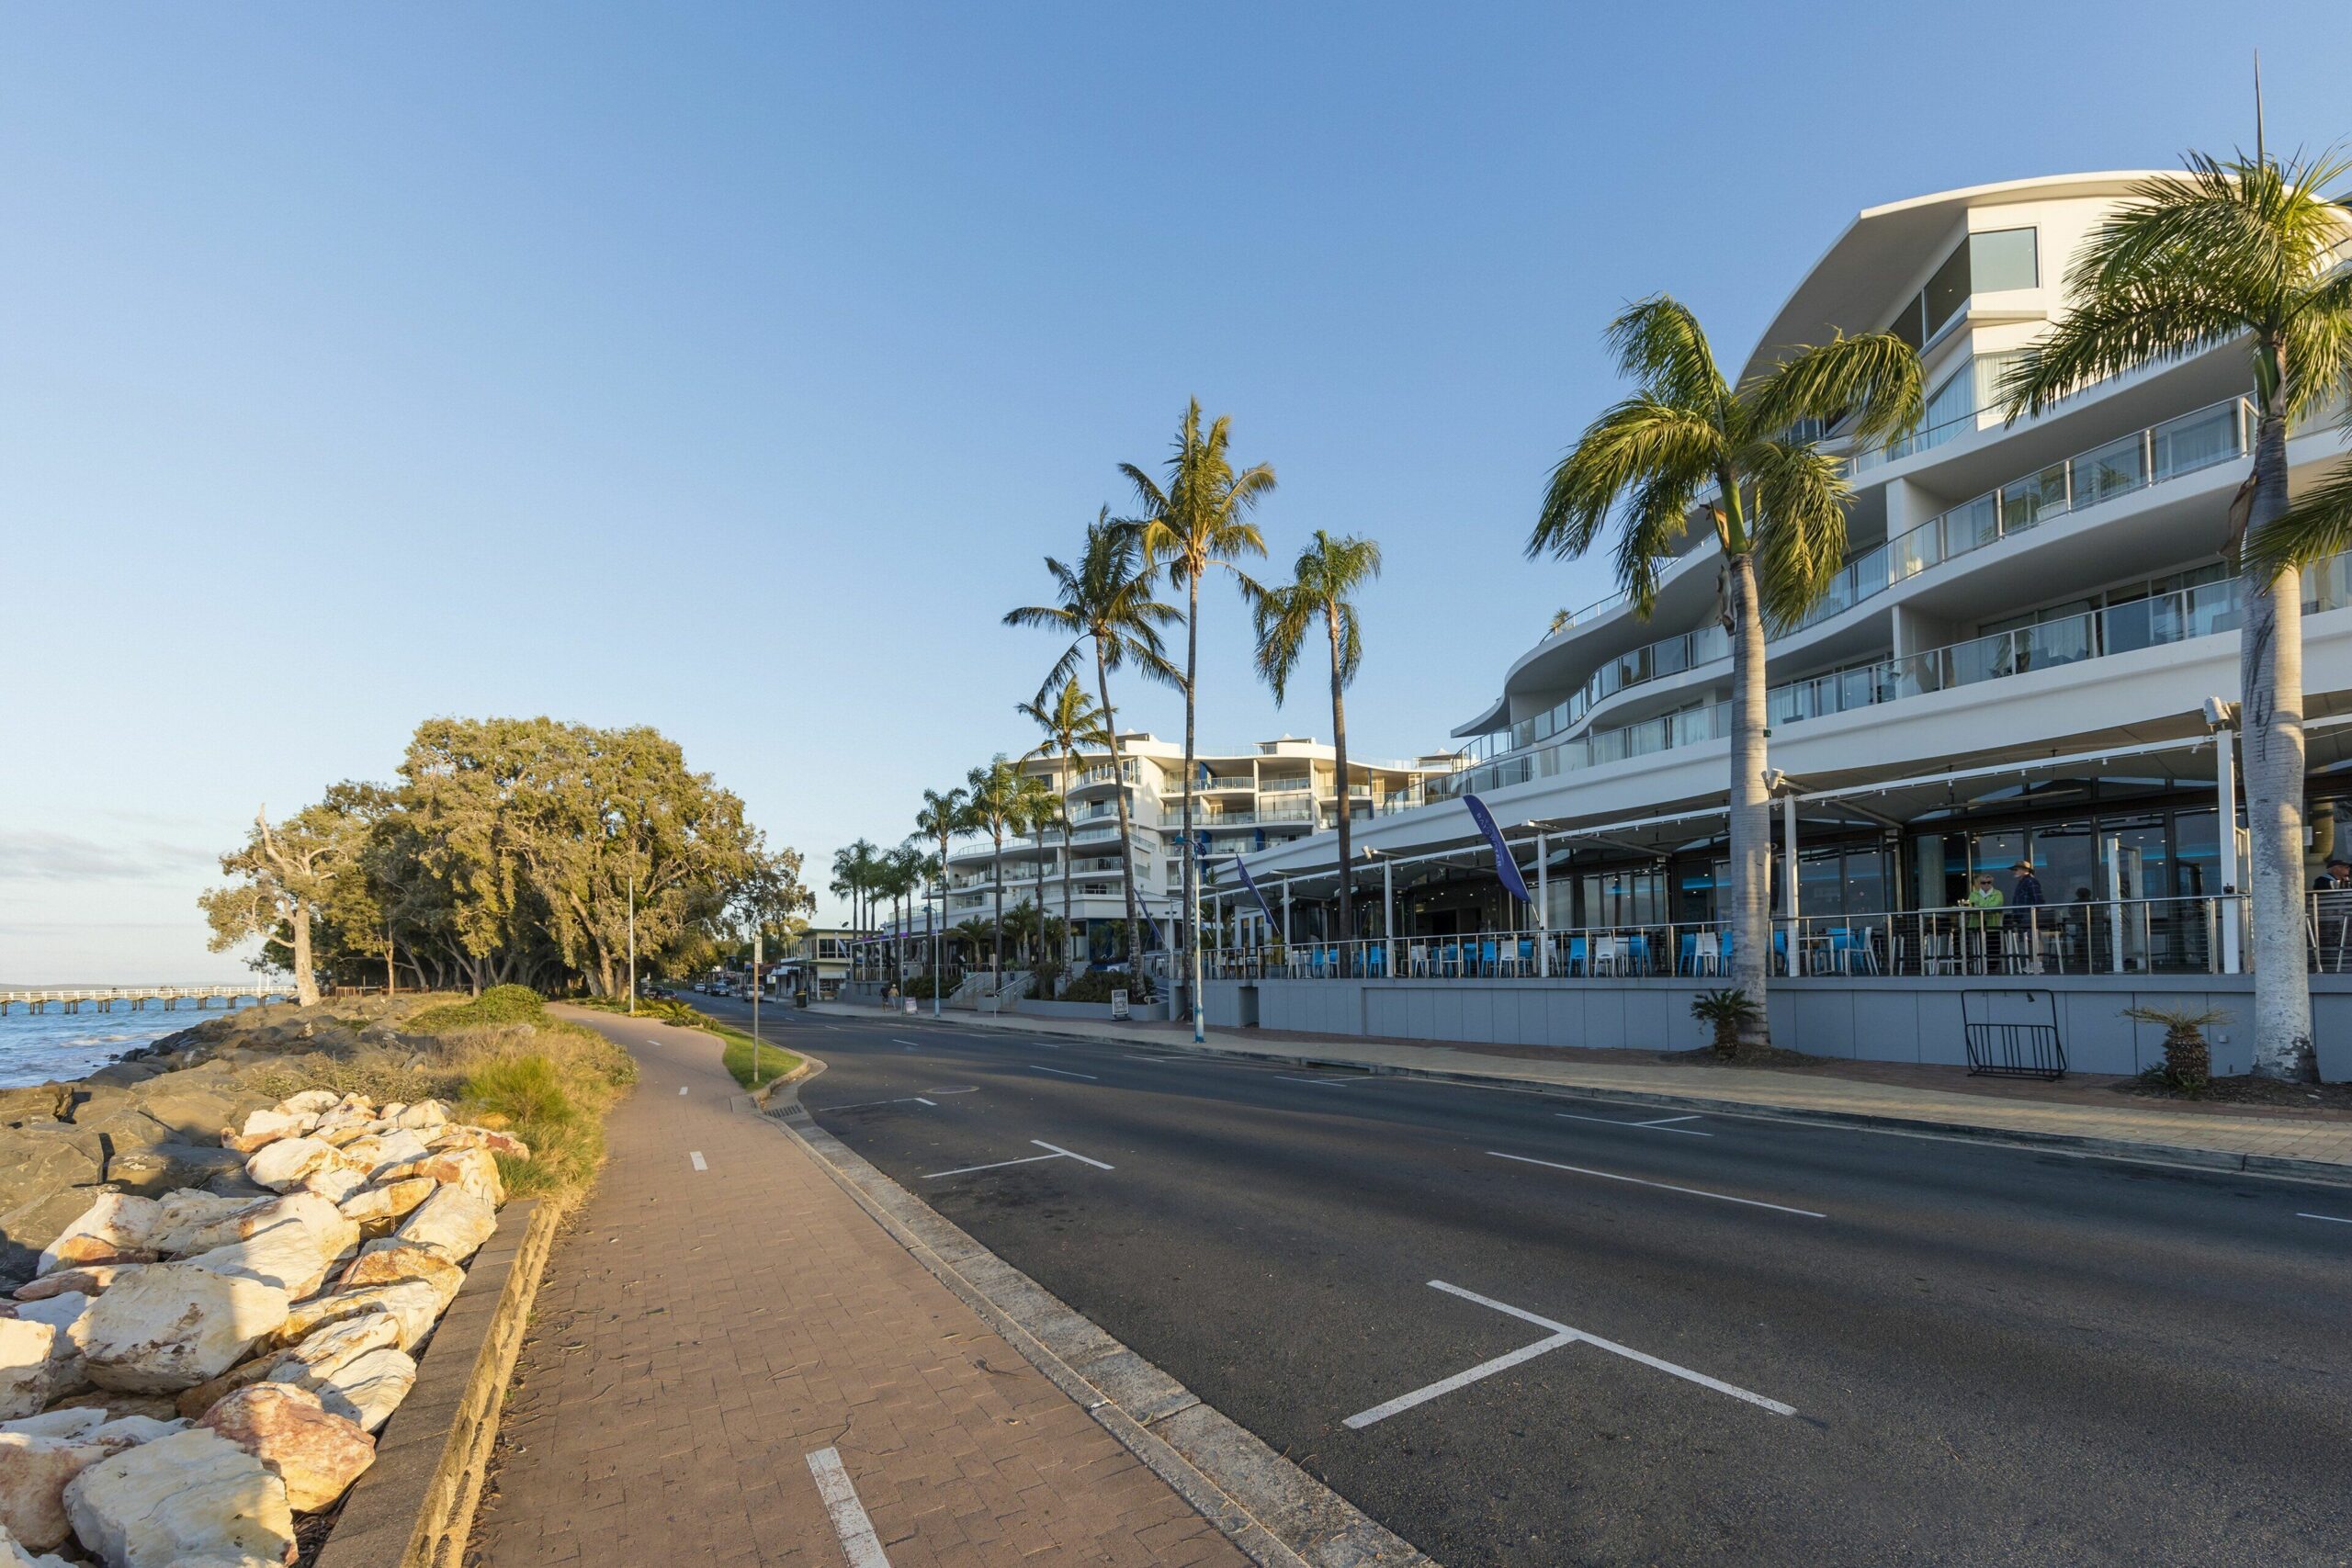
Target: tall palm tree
(1105, 606)
(993, 792)
(905, 865)
(1200, 521)
(1687, 440)
(2237, 251)
(1039, 809)
(942, 818)
(1069, 722)
(1329, 572)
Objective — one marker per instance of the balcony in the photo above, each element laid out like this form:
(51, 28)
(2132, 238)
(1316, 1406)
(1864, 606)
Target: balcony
(2127, 627)
(2188, 445)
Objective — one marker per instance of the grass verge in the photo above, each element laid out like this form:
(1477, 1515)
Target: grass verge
(774, 1061)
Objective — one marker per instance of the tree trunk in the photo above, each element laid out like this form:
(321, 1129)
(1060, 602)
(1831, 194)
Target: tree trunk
(1070, 771)
(1119, 794)
(306, 980)
(1189, 914)
(1340, 749)
(1749, 807)
(392, 967)
(2270, 677)
(997, 936)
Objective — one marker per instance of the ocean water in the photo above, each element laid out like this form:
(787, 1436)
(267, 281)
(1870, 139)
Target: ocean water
(59, 1045)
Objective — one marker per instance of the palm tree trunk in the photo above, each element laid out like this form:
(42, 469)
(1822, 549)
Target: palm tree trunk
(1119, 793)
(1749, 807)
(996, 938)
(2270, 677)
(1070, 771)
(1190, 911)
(1340, 750)
(1040, 837)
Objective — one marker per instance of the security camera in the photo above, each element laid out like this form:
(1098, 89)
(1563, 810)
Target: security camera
(2219, 715)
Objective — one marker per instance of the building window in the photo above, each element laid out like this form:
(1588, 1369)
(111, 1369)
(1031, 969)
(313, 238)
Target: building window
(1982, 263)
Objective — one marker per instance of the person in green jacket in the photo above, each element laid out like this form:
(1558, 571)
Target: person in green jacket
(1983, 899)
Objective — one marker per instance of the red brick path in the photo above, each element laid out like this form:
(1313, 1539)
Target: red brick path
(700, 1333)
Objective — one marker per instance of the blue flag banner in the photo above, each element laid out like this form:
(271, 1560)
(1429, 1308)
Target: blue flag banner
(1252, 883)
(1505, 866)
(1159, 943)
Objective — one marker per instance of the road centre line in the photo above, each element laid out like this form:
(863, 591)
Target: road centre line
(1089, 1077)
(1561, 1335)
(1661, 1186)
(699, 1163)
(1659, 1126)
(859, 1543)
(2331, 1219)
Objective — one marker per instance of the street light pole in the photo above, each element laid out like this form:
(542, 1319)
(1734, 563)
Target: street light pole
(757, 955)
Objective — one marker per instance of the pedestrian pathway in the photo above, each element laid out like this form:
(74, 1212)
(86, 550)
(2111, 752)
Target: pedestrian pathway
(2204, 1137)
(730, 1362)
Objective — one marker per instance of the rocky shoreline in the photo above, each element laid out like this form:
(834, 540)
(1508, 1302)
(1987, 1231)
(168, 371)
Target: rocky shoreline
(221, 1255)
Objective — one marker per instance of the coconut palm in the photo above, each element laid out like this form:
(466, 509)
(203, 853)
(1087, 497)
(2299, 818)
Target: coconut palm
(2239, 250)
(993, 792)
(903, 868)
(1326, 575)
(942, 818)
(1106, 608)
(1069, 722)
(1687, 440)
(1039, 809)
(1200, 521)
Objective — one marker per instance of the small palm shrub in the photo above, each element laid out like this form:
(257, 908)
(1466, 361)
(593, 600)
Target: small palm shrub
(1726, 1012)
(2188, 1059)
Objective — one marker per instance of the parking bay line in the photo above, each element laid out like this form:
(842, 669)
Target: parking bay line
(859, 1543)
(896, 1100)
(1562, 1335)
(1089, 1077)
(2331, 1219)
(1661, 1186)
(1058, 1153)
(1658, 1126)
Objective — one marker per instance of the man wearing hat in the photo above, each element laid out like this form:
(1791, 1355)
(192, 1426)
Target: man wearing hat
(2332, 916)
(2025, 899)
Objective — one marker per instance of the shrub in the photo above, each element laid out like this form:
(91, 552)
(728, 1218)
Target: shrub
(525, 1089)
(1096, 985)
(500, 1004)
(2188, 1060)
(1726, 1012)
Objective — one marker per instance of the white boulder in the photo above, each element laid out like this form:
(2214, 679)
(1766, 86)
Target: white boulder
(366, 1389)
(390, 1259)
(423, 1116)
(284, 1166)
(383, 1204)
(39, 1364)
(310, 1103)
(381, 1152)
(453, 1223)
(36, 1466)
(172, 1326)
(412, 1304)
(191, 1497)
(316, 1452)
(15, 1553)
(288, 1255)
(118, 1227)
(322, 1354)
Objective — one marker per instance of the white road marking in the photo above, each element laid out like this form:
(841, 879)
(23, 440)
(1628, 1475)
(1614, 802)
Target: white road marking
(1089, 1077)
(1065, 1154)
(921, 1101)
(999, 1165)
(1654, 1126)
(908, 1043)
(862, 1104)
(859, 1543)
(1664, 1120)
(700, 1164)
(1661, 1186)
(2331, 1219)
(653, 1042)
(1287, 1078)
(682, 1088)
(968, 1089)
(1561, 1334)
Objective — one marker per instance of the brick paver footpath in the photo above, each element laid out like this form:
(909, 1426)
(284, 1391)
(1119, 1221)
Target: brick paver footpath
(707, 1325)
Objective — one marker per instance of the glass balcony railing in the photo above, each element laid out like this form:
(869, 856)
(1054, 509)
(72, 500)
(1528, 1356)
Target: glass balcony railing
(2184, 446)
(2203, 610)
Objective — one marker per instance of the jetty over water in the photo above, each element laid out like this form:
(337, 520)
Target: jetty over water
(137, 998)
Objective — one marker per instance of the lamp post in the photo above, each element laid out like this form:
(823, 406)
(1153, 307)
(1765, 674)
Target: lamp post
(757, 956)
(614, 822)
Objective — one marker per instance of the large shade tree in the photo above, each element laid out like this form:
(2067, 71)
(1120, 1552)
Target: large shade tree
(1103, 603)
(1193, 522)
(1324, 581)
(2244, 251)
(284, 879)
(1686, 444)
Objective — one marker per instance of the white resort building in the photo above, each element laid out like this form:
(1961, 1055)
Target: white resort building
(1243, 802)
(2015, 665)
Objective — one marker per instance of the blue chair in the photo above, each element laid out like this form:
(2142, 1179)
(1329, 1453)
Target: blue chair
(1686, 961)
(1526, 955)
(1375, 960)
(1580, 956)
(1780, 952)
(1637, 953)
(1485, 958)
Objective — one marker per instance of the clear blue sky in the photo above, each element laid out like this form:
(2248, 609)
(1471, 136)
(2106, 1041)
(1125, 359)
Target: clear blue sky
(729, 368)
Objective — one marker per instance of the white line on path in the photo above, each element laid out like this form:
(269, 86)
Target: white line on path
(2331, 1219)
(1058, 1153)
(1661, 1186)
(1561, 1334)
(1659, 1126)
(859, 1543)
(700, 1164)
(1089, 1077)
(682, 1088)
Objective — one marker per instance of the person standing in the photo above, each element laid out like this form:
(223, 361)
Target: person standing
(1984, 898)
(2023, 917)
(2332, 913)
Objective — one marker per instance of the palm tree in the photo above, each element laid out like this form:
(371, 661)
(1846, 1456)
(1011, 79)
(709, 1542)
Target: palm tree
(1069, 722)
(1328, 572)
(1039, 809)
(993, 793)
(2242, 251)
(854, 868)
(942, 818)
(1106, 605)
(1687, 440)
(903, 868)
(1200, 521)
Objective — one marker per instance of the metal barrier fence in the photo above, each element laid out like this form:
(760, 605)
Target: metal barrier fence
(2116, 936)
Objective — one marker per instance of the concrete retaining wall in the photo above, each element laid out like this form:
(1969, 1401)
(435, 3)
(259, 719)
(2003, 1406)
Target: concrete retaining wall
(414, 1507)
(1099, 1011)
(1888, 1019)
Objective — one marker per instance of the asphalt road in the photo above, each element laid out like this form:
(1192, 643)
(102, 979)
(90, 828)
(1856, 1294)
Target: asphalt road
(1815, 1344)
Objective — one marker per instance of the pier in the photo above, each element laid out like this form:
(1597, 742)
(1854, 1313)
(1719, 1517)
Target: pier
(137, 998)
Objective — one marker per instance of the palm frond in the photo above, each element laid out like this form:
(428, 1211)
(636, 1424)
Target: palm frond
(1661, 346)
(1641, 437)
(2318, 348)
(2312, 529)
(1283, 617)
(1801, 499)
(2114, 331)
(1875, 377)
